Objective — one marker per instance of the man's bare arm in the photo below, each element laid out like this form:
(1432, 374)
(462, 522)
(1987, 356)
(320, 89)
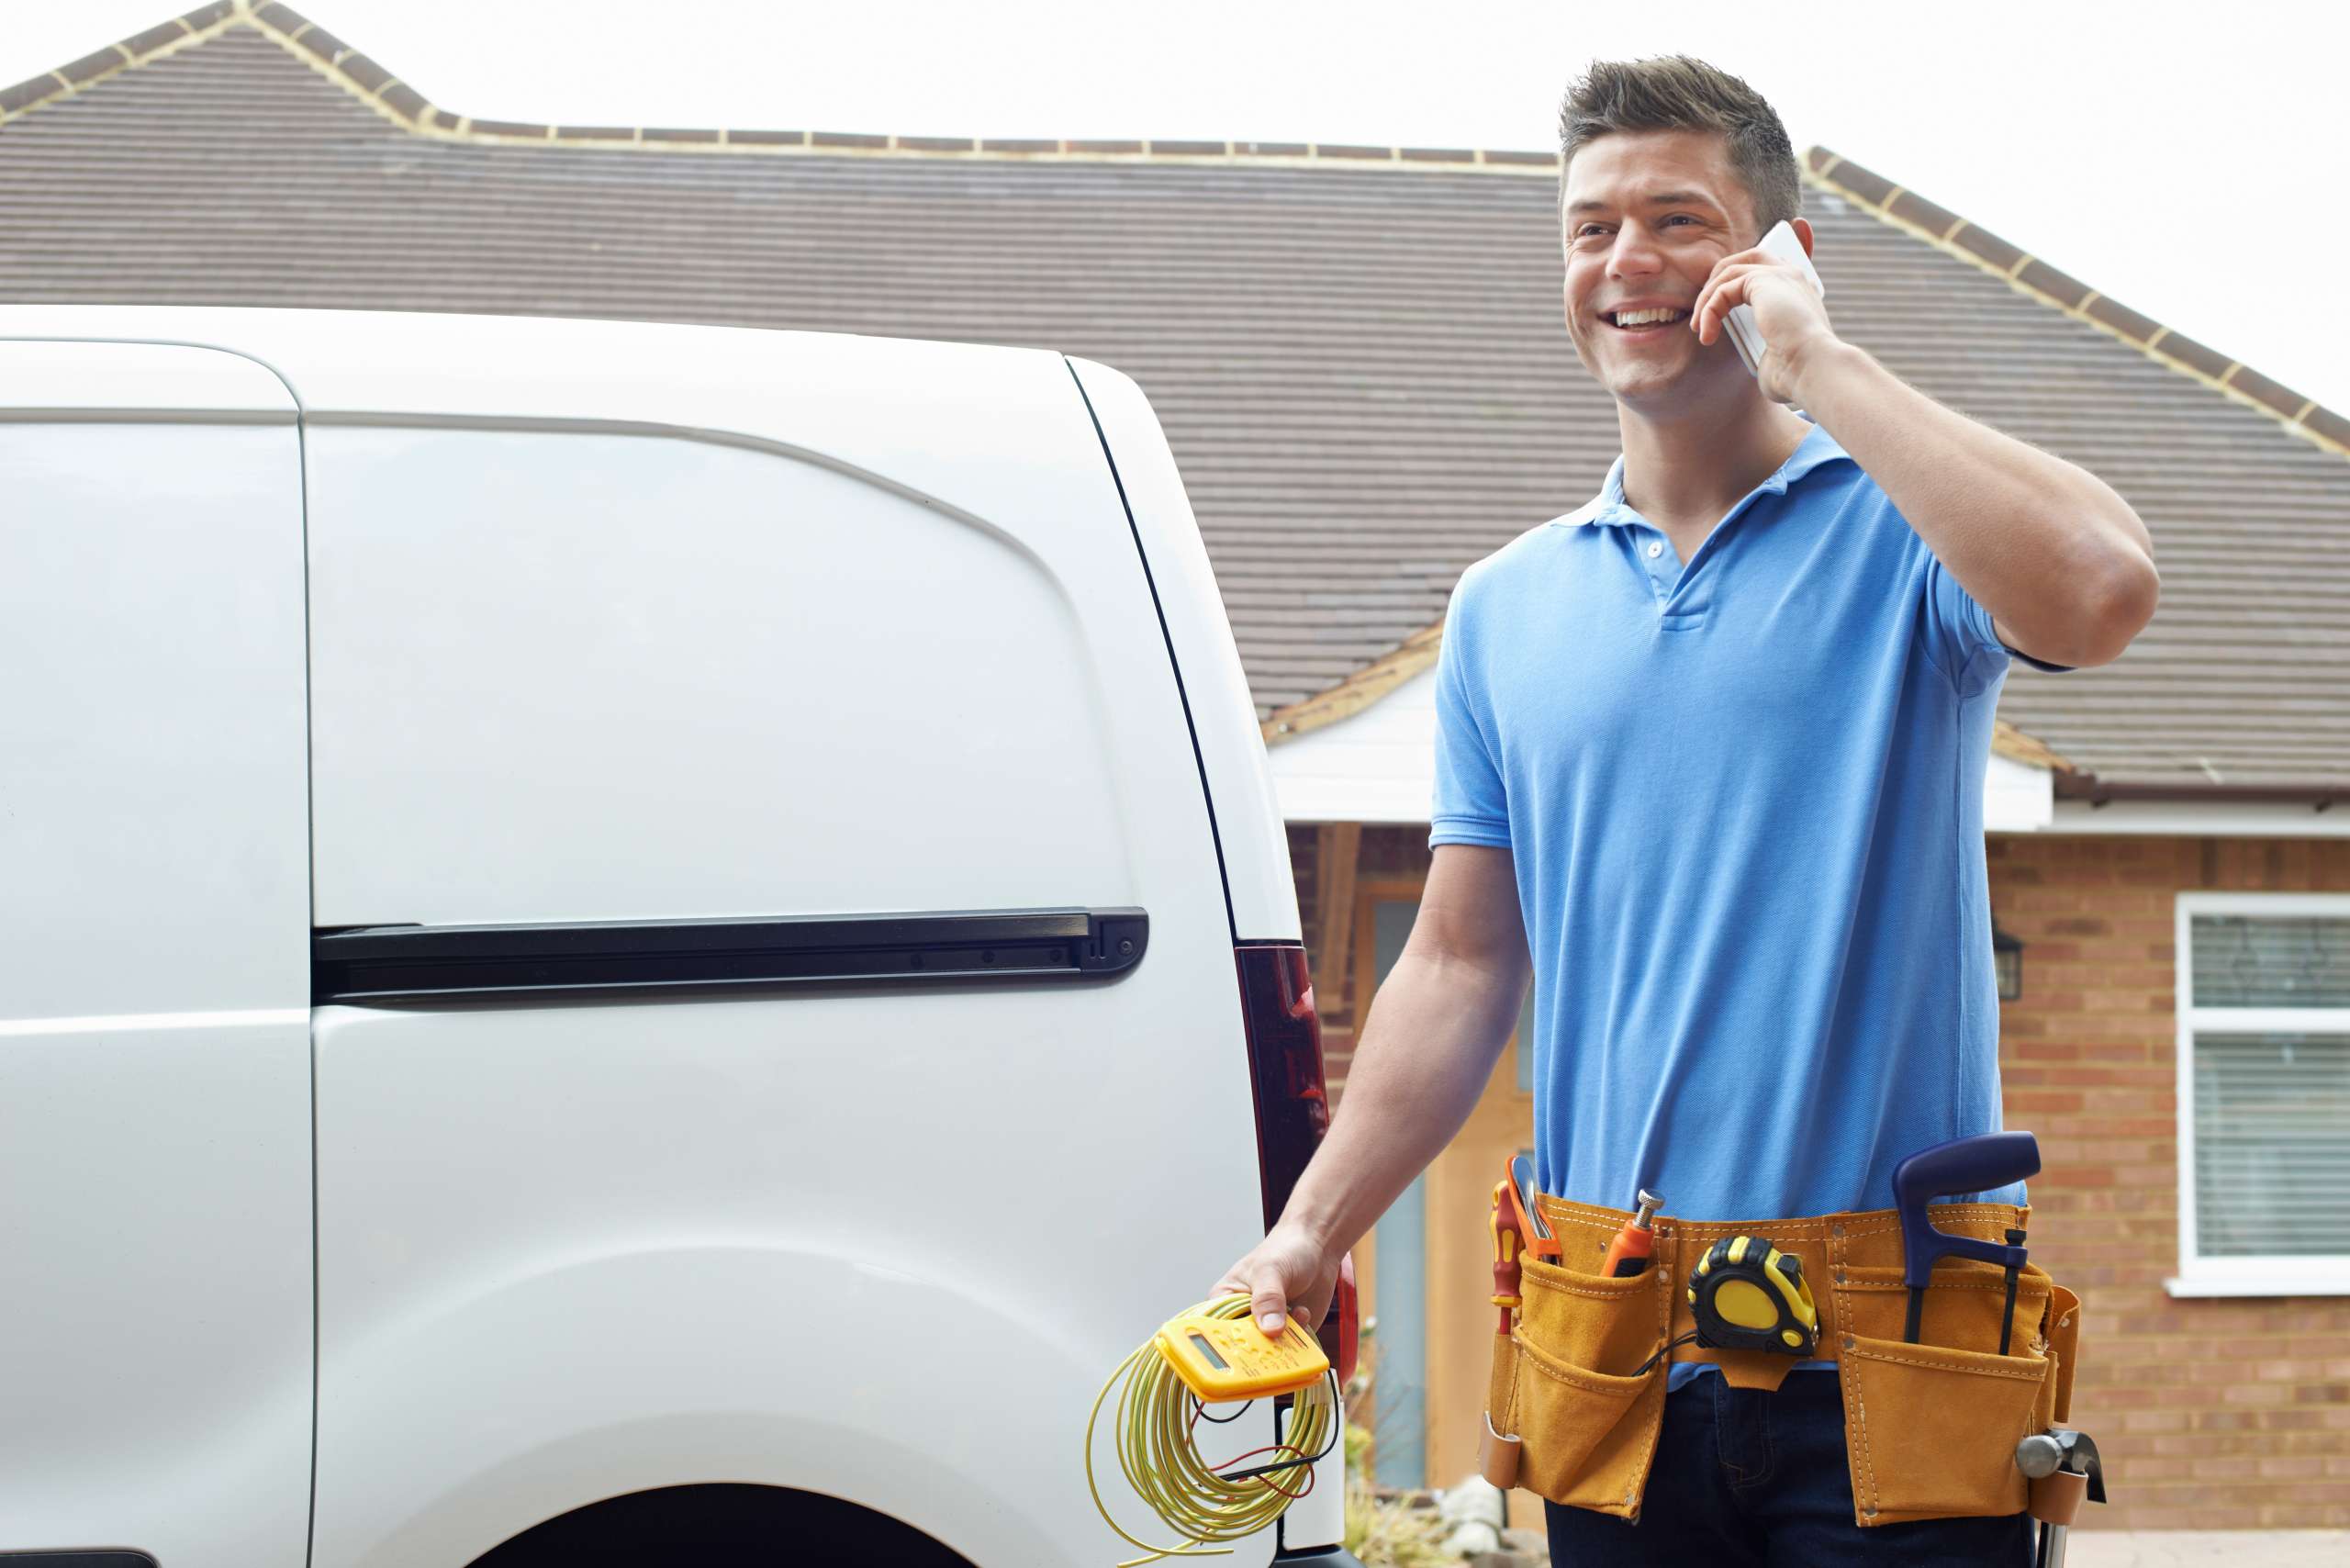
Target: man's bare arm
(2062, 563)
(1427, 1049)
(2065, 566)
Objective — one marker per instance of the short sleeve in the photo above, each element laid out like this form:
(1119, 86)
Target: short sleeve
(1963, 643)
(1470, 806)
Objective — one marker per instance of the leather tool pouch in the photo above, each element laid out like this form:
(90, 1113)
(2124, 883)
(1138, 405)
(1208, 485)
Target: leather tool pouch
(1930, 1428)
(1563, 1385)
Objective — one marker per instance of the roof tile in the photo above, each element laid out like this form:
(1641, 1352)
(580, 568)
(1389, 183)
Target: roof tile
(1915, 209)
(2267, 393)
(323, 43)
(2187, 350)
(1989, 246)
(364, 71)
(666, 133)
(404, 99)
(91, 67)
(1019, 144)
(2121, 318)
(140, 45)
(1866, 184)
(2062, 287)
(2328, 423)
(30, 91)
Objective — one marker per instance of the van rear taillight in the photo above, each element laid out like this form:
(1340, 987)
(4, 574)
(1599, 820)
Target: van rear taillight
(1292, 1107)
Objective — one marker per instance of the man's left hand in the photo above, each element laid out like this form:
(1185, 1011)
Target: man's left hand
(1794, 321)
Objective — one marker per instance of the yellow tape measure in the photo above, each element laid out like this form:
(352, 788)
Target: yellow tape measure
(1222, 1359)
(1749, 1295)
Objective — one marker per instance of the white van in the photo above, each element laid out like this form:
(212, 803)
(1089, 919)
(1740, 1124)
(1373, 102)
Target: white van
(617, 942)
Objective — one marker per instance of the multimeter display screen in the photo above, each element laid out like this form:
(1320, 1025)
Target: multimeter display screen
(1209, 1352)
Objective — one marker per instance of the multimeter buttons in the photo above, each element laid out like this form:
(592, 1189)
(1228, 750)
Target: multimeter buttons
(1749, 1295)
(1225, 1359)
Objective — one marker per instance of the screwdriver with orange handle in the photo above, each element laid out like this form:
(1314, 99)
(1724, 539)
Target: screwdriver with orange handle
(1635, 1244)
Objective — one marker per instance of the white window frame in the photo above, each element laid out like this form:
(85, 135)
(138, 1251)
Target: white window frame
(2323, 1275)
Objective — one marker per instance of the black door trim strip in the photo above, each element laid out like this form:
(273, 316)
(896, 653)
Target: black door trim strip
(393, 963)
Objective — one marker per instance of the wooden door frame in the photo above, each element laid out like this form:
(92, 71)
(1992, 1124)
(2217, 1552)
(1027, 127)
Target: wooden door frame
(1363, 984)
(1456, 1319)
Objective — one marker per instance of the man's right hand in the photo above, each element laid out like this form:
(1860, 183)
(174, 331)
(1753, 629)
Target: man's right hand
(1286, 1274)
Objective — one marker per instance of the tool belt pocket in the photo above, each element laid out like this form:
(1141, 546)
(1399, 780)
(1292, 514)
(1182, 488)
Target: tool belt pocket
(1566, 1385)
(1930, 1428)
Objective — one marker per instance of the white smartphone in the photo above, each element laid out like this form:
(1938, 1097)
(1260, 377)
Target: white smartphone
(1781, 243)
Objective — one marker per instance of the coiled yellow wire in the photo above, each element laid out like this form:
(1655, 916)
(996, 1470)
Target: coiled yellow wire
(1156, 1452)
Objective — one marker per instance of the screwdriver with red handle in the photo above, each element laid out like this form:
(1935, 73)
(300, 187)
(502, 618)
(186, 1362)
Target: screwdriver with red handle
(1634, 1244)
(1508, 1244)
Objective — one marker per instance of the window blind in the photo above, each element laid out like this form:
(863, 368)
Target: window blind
(2272, 1145)
(2257, 960)
(2272, 1106)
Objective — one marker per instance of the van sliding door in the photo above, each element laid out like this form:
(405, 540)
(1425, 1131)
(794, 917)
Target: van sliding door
(767, 914)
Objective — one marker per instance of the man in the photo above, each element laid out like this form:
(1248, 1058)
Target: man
(1712, 748)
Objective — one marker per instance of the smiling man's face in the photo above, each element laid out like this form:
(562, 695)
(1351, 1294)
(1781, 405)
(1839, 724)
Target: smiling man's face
(1646, 214)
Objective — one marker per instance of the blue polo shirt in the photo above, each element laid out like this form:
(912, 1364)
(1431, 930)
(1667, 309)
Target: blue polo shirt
(1744, 795)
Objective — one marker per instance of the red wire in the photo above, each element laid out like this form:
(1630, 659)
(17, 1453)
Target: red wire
(1192, 1426)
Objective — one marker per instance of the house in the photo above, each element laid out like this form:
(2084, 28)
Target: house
(1356, 356)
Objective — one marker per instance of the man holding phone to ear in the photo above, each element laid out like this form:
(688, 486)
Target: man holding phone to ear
(1711, 750)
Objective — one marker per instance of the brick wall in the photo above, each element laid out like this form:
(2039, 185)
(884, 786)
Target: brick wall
(2226, 1413)
(2212, 1413)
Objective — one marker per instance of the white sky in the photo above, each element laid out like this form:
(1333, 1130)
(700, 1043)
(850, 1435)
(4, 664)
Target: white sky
(2190, 161)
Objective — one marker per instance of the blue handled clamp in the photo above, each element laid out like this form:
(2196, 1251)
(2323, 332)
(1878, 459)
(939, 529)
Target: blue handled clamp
(1962, 1165)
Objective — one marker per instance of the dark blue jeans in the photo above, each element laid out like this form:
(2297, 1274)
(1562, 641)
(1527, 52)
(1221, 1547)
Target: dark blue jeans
(1746, 1477)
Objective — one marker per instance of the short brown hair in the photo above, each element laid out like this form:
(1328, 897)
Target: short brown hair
(1674, 91)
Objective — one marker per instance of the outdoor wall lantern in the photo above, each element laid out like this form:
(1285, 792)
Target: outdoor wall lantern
(2007, 963)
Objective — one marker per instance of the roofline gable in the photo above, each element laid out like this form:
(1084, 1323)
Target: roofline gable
(1419, 651)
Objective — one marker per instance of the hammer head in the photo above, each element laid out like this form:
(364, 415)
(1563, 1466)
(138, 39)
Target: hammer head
(2080, 1458)
(2062, 1448)
(2039, 1454)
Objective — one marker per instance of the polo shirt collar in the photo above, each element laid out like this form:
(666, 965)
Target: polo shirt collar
(1607, 508)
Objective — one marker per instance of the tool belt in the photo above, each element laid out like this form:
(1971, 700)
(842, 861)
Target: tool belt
(1930, 1428)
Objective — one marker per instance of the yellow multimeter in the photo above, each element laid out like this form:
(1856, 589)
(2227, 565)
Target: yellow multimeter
(1226, 1359)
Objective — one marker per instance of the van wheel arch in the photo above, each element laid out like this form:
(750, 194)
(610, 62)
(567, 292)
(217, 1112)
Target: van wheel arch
(721, 1525)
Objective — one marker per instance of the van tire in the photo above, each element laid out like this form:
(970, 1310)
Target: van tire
(726, 1526)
